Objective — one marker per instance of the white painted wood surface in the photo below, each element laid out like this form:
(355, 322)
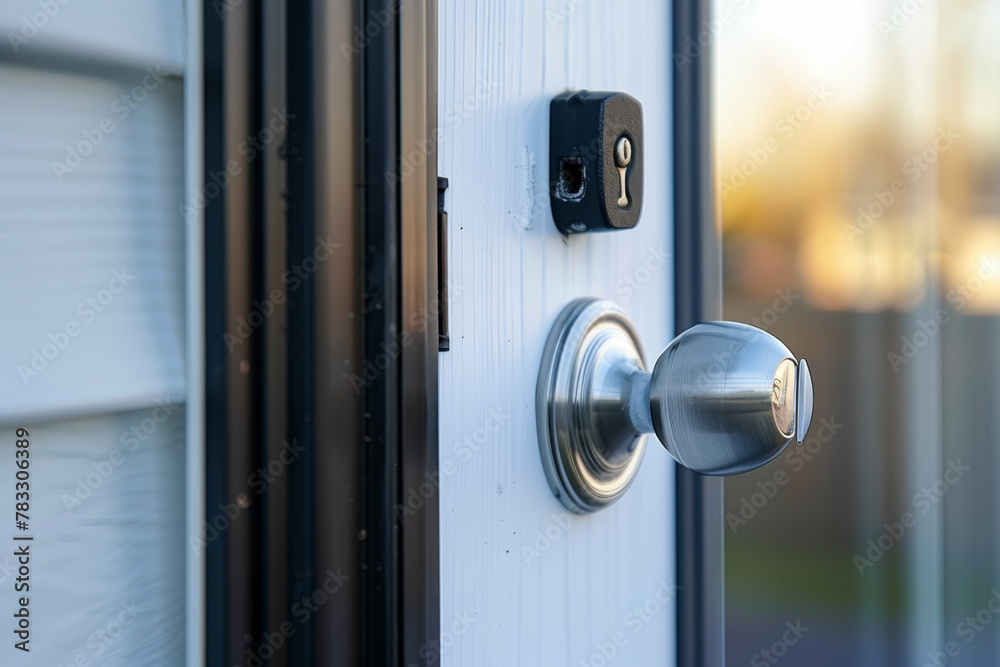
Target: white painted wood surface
(511, 595)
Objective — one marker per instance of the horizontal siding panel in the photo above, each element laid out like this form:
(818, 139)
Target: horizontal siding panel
(125, 32)
(64, 237)
(108, 528)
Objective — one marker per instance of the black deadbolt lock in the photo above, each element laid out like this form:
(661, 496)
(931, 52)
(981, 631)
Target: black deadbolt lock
(595, 161)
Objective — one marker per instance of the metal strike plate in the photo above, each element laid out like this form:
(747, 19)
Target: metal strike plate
(595, 161)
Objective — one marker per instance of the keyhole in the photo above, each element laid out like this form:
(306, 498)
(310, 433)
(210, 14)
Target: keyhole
(623, 155)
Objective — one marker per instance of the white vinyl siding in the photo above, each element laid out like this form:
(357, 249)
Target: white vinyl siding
(128, 32)
(96, 247)
(120, 545)
(65, 240)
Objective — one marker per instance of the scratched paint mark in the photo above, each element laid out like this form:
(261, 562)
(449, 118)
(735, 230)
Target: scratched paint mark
(527, 171)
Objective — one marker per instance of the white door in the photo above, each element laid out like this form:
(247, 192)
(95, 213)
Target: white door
(524, 581)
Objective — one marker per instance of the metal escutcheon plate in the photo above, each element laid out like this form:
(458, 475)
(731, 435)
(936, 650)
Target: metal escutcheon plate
(589, 448)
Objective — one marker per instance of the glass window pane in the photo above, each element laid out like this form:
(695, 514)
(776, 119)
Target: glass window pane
(858, 147)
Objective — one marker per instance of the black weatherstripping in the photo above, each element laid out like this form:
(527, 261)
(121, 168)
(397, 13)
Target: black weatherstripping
(362, 378)
(216, 607)
(301, 323)
(697, 276)
(232, 533)
(380, 394)
(324, 307)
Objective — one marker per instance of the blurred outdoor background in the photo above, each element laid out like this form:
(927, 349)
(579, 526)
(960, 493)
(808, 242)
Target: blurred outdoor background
(858, 147)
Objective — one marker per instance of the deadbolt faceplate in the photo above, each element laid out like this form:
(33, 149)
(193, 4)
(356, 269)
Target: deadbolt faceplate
(595, 161)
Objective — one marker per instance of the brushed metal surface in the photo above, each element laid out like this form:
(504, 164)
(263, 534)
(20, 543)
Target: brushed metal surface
(711, 398)
(723, 398)
(590, 446)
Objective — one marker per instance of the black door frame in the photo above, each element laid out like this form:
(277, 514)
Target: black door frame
(326, 223)
(697, 298)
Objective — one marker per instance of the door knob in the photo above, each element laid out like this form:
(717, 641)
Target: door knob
(722, 398)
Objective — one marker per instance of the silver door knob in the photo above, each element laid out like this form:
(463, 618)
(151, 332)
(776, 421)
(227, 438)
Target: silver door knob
(723, 398)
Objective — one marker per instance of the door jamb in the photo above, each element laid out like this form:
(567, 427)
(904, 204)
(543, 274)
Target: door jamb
(699, 500)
